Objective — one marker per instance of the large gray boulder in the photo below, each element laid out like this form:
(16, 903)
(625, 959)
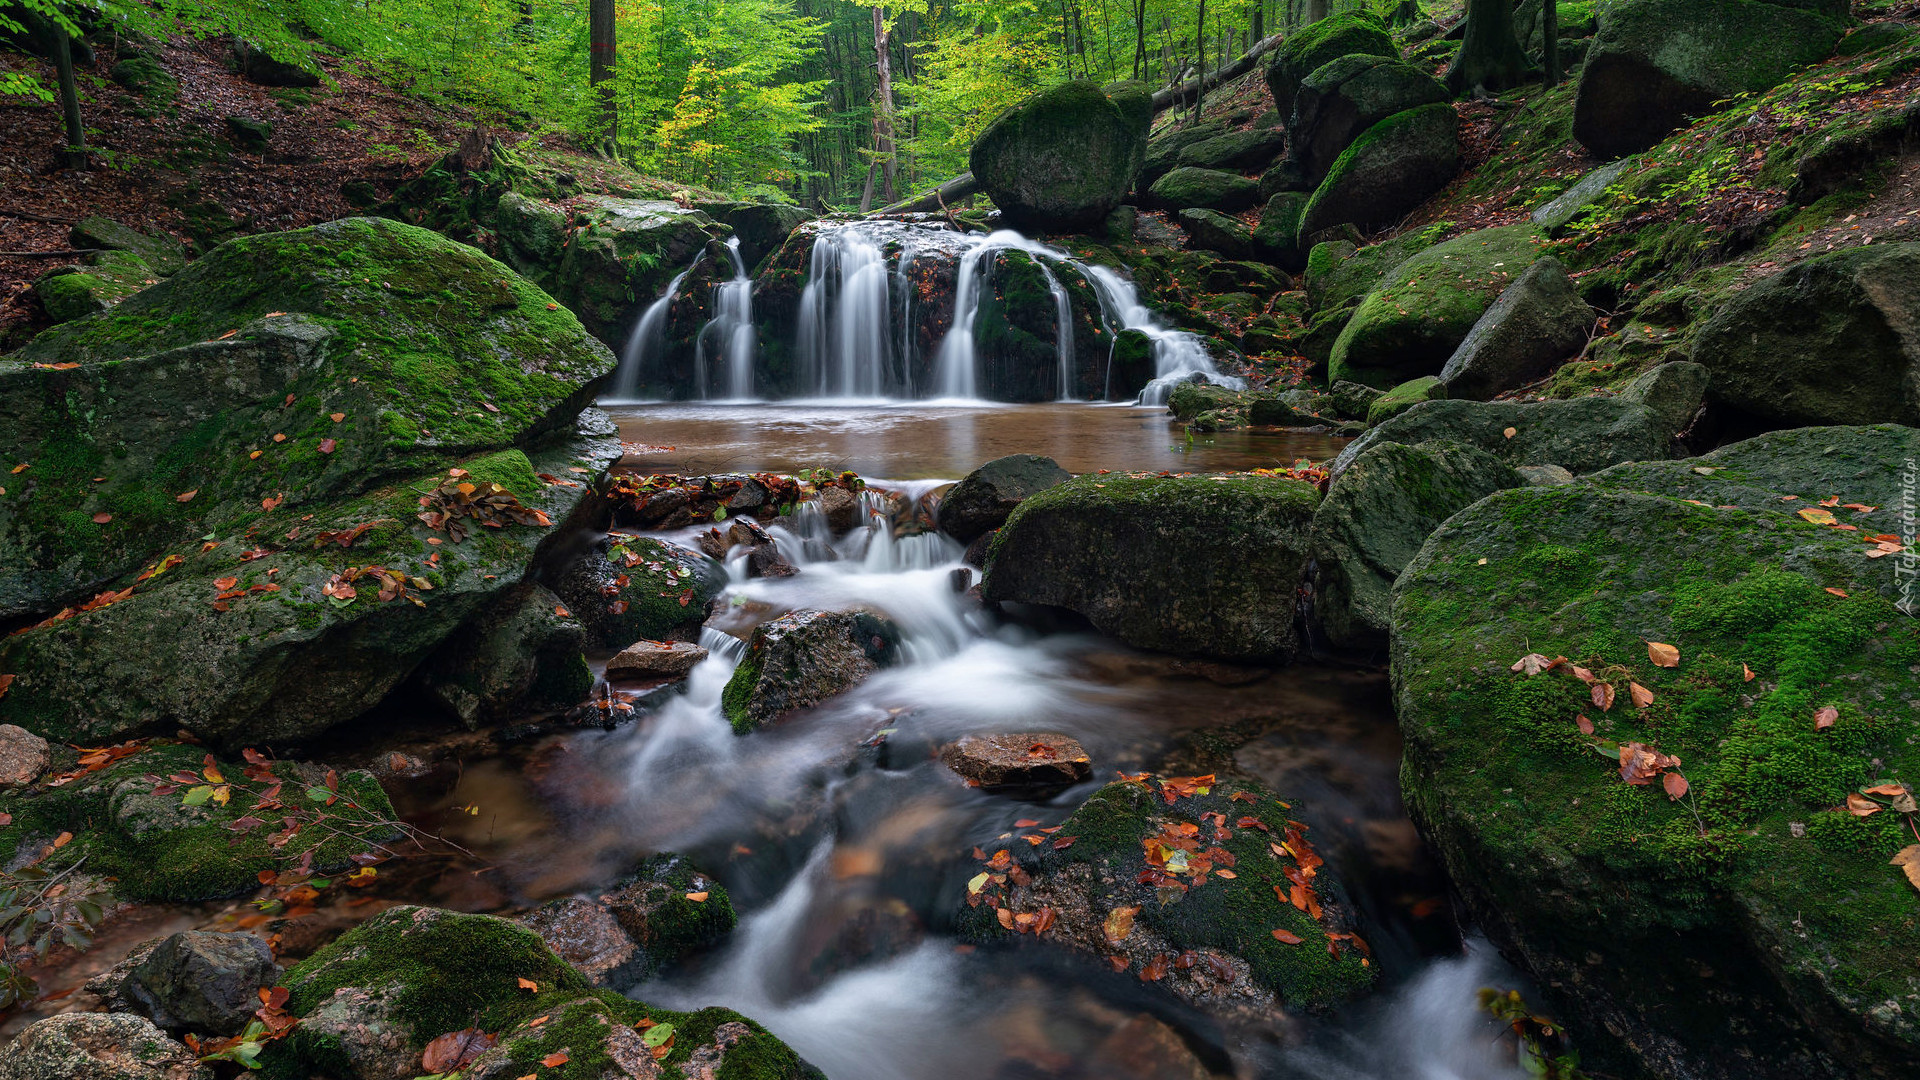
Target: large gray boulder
(1582, 435)
(1209, 230)
(201, 981)
(1374, 520)
(803, 658)
(1253, 149)
(1538, 322)
(1387, 171)
(1674, 391)
(98, 1046)
(1832, 339)
(1741, 872)
(1197, 565)
(981, 501)
(1062, 159)
(1657, 63)
(522, 653)
(1320, 43)
(1347, 96)
(616, 256)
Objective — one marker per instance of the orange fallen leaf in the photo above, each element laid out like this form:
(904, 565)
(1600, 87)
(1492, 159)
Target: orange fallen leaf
(1908, 859)
(1675, 785)
(1640, 695)
(1841, 593)
(102, 518)
(1860, 806)
(186, 496)
(527, 984)
(1287, 938)
(1818, 517)
(1825, 717)
(555, 1059)
(698, 897)
(1746, 673)
(337, 417)
(1663, 655)
(279, 436)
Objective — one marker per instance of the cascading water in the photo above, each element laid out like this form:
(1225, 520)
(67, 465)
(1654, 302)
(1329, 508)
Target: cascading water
(1177, 354)
(730, 334)
(646, 343)
(846, 341)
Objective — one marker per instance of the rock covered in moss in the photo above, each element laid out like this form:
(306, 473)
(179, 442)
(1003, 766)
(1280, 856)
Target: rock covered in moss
(1385, 406)
(1536, 323)
(1235, 151)
(276, 630)
(1192, 565)
(1135, 876)
(1657, 63)
(1206, 189)
(1060, 160)
(162, 849)
(98, 1046)
(101, 280)
(164, 254)
(1832, 339)
(371, 1001)
(1387, 171)
(1216, 232)
(1321, 43)
(1583, 435)
(1277, 237)
(1374, 519)
(1344, 97)
(803, 658)
(1163, 151)
(587, 936)
(982, 499)
(639, 588)
(1676, 902)
(669, 908)
(761, 227)
(1412, 322)
(620, 257)
(520, 653)
(1351, 400)
(1674, 391)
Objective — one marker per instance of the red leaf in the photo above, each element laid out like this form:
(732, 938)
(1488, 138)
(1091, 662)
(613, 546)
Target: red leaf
(1825, 717)
(1675, 785)
(326, 446)
(1287, 938)
(456, 1050)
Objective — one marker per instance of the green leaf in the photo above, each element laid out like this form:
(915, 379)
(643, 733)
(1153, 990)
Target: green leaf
(657, 1035)
(319, 794)
(719, 513)
(197, 795)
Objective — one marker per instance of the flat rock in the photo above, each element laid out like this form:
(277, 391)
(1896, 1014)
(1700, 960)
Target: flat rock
(655, 660)
(586, 935)
(98, 1046)
(1022, 759)
(23, 755)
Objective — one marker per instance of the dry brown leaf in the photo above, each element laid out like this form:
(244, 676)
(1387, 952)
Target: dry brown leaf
(1746, 673)
(1120, 923)
(1586, 725)
(1602, 696)
(1532, 664)
(528, 984)
(1908, 859)
(1286, 938)
(1663, 655)
(1860, 806)
(1640, 695)
(697, 897)
(1825, 717)
(1675, 785)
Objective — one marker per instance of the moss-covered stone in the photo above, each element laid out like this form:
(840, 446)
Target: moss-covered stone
(1323, 42)
(1130, 887)
(1062, 159)
(622, 254)
(145, 78)
(1207, 189)
(1163, 150)
(1345, 97)
(1200, 565)
(74, 292)
(164, 254)
(1216, 232)
(1784, 938)
(1277, 237)
(1387, 171)
(1190, 399)
(1415, 319)
(983, 498)
(155, 848)
(1582, 435)
(641, 589)
(1405, 396)
(1656, 63)
(1236, 151)
(803, 658)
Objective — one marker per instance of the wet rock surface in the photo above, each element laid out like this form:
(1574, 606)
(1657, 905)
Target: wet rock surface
(98, 1046)
(803, 658)
(1020, 759)
(981, 501)
(655, 659)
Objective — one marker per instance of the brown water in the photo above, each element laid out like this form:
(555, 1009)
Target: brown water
(914, 441)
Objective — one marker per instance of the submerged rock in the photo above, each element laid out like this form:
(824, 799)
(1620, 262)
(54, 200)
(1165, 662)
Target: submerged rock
(1779, 926)
(1063, 159)
(1374, 519)
(803, 658)
(1023, 759)
(97, 1046)
(1198, 566)
(981, 501)
(1835, 338)
(1138, 879)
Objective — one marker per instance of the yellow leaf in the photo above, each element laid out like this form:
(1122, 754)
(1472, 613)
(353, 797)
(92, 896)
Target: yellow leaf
(1908, 859)
(221, 794)
(1663, 655)
(1818, 517)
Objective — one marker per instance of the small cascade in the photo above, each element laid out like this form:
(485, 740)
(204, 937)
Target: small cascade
(730, 335)
(1177, 354)
(647, 344)
(846, 339)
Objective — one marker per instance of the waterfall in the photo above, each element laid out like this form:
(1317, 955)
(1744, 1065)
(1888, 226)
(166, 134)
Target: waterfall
(1177, 354)
(647, 342)
(732, 333)
(845, 345)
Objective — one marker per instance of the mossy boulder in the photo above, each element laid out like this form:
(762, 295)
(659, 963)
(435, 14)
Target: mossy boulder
(101, 281)
(1582, 435)
(1374, 520)
(1196, 565)
(1061, 160)
(1392, 403)
(1831, 339)
(621, 256)
(1277, 238)
(1163, 150)
(639, 588)
(761, 227)
(654, 907)
(1345, 97)
(1744, 924)
(1139, 883)
(145, 78)
(803, 658)
(1412, 322)
(1352, 400)
(1537, 323)
(1236, 151)
(371, 1001)
(1190, 399)
(224, 381)
(158, 849)
(1388, 170)
(98, 1046)
(1655, 64)
(1212, 231)
(982, 499)
(521, 653)
(164, 254)
(1207, 189)
(1321, 43)
(1674, 391)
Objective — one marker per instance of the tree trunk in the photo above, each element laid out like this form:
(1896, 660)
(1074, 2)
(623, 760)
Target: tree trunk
(1139, 39)
(883, 102)
(1316, 10)
(866, 196)
(74, 154)
(1490, 58)
(1166, 98)
(600, 66)
(1200, 50)
(1550, 39)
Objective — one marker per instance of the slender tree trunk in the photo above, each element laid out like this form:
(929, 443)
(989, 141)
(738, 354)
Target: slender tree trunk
(600, 66)
(1200, 50)
(1139, 39)
(1550, 39)
(1316, 10)
(866, 196)
(1490, 58)
(74, 154)
(883, 101)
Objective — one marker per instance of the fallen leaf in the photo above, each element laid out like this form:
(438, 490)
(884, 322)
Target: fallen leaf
(1602, 695)
(1640, 695)
(337, 417)
(326, 446)
(1663, 655)
(1586, 725)
(186, 496)
(698, 897)
(1156, 969)
(1818, 517)
(1908, 859)
(455, 1050)
(555, 1059)
(279, 437)
(1287, 938)
(1531, 664)
(102, 519)
(1825, 717)
(1746, 673)
(1510, 432)
(1120, 923)
(1860, 806)
(528, 984)
(1675, 785)
(1841, 593)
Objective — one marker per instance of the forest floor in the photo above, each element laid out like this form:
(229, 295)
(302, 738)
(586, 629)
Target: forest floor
(174, 167)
